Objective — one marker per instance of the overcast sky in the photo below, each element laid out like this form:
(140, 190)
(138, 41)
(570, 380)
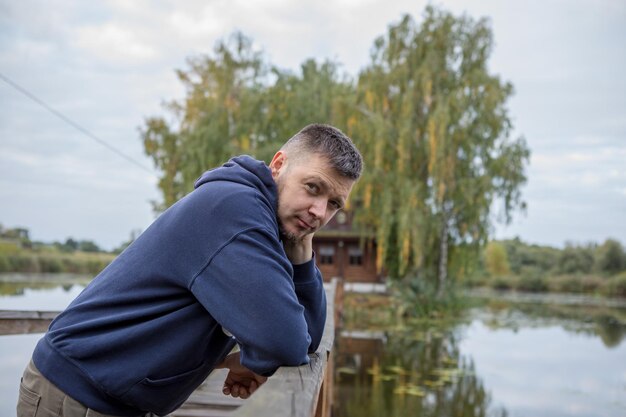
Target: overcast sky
(109, 64)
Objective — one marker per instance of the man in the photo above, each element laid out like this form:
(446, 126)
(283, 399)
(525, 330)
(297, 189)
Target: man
(230, 263)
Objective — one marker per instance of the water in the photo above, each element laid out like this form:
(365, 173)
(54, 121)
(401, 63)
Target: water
(548, 371)
(502, 358)
(27, 293)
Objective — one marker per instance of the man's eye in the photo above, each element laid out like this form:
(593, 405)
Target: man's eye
(313, 188)
(335, 205)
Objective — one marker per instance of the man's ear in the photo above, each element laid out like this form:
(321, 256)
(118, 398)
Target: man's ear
(279, 162)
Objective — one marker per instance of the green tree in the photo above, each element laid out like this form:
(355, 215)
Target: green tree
(610, 257)
(525, 257)
(18, 234)
(319, 93)
(496, 260)
(236, 103)
(219, 117)
(434, 130)
(576, 259)
(430, 120)
(70, 245)
(88, 246)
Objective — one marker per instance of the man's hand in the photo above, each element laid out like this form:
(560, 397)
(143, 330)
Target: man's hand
(300, 251)
(240, 381)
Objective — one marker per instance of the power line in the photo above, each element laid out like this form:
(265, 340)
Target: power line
(72, 123)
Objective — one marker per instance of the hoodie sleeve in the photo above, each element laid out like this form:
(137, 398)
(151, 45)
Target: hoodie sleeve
(248, 288)
(310, 291)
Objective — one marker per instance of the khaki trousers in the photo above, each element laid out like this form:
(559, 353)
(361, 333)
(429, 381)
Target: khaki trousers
(40, 398)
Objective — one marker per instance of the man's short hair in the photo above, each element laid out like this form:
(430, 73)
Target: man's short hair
(330, 142)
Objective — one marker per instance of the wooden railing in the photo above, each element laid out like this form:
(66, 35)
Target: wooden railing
(21, 322)
(304, 391)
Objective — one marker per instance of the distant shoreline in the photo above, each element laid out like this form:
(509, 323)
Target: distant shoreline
(46, 277)
(563, 298)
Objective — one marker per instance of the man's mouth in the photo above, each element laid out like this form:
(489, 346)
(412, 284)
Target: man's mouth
(304, 224)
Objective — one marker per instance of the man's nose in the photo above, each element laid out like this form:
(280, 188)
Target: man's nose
(318, 208)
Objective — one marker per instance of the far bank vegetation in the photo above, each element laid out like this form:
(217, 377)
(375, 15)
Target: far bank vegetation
(589, 268)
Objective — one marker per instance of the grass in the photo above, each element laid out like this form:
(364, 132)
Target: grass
(49, 260)
(614, 286)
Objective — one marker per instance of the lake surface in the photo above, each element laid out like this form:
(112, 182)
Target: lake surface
(501, 359)
(27, 293)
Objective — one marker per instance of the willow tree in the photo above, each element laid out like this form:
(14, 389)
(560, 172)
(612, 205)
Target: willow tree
(318, 93)
(237, 103)
(433, 126)
(218, 118)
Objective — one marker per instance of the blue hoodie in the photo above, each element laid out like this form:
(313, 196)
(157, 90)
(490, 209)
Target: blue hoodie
(152, 325)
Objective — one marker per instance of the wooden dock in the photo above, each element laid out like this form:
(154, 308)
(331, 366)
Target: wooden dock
(304, 391)
(21, 322)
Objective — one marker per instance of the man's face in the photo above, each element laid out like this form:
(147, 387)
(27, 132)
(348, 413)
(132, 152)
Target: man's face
(310, 192)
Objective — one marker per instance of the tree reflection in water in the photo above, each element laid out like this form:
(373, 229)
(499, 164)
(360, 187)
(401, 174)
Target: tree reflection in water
(408, 371)
(48, 282)
(417, 369)
(609, 324)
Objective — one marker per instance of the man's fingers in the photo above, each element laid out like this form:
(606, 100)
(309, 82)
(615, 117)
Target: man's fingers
(235, 390)
(242, 385)
(240, 391)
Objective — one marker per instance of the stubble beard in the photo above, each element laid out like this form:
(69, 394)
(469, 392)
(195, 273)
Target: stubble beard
(287, 235)
(284, 233)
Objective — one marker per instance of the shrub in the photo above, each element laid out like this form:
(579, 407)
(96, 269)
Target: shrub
(566, 283)
(419, 298)
(615, 286)
(502, 283)
(94, 266)
(476, 280)
(5, 264)
(532, 283)
(496, 261)
(531, 271)
(49, 260)
(9, 248)
(24, 263)
(591, 283)
(610, 257)
(50, 264)
(575, 259)
(71, 265)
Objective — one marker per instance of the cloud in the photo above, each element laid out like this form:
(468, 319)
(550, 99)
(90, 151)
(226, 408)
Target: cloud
(111, 42)
(607, 159)
(196, 26)
(107, 65)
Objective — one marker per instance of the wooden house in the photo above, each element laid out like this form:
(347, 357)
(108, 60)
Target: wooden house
(342, 252)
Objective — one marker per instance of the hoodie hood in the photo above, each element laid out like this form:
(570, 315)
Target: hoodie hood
(247, 171)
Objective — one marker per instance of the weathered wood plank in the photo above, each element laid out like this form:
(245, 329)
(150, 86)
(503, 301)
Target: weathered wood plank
(15, 314)
(23, 326)
(202, 412)
(22, 322)
(290, 392)
(294, 391)
(210, 392)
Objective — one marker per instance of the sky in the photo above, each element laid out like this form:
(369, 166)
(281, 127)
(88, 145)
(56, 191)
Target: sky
(108, 65)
